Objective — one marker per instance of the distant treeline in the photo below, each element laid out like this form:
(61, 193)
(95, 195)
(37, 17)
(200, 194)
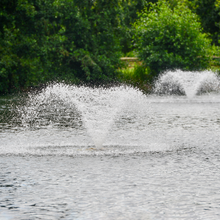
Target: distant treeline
(75, 40)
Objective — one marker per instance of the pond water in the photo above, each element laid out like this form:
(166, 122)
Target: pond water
(65, 155)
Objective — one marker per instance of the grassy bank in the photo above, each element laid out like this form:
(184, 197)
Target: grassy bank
(136, 74)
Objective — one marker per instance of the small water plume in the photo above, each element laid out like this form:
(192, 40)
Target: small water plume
(187, 82)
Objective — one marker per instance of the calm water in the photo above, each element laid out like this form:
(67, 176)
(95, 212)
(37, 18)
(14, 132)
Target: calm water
(159, 158)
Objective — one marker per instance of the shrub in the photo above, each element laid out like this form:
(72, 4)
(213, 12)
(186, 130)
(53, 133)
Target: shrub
(137, 76)
(171, 38)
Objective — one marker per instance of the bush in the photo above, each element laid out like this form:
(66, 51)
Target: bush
(171, 39)
(137, 76)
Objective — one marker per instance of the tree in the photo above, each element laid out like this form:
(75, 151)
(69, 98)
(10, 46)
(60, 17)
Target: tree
(171, 38)
(92, 48)
(209, 13)
(45, 40)
(24, 43)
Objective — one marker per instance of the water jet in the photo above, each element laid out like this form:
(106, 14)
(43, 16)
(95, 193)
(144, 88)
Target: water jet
(187, 82)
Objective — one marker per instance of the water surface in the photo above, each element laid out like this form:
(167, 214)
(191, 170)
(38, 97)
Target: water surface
(159, 159)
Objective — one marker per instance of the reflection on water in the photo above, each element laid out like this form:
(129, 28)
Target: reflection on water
(160, 158)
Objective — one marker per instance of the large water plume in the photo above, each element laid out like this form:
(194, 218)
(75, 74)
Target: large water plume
(97, 107)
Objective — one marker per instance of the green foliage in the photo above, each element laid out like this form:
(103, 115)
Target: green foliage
(41, 41)
(171, 38)
(92, 46)
(126, 31)
(138, 76)
(209, 13)
(215, 62)
(24, 44)
(82, 40)
(131, 53)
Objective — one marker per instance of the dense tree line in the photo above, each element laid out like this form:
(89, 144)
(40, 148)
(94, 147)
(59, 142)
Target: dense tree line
(75, 40)
(209, 13)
